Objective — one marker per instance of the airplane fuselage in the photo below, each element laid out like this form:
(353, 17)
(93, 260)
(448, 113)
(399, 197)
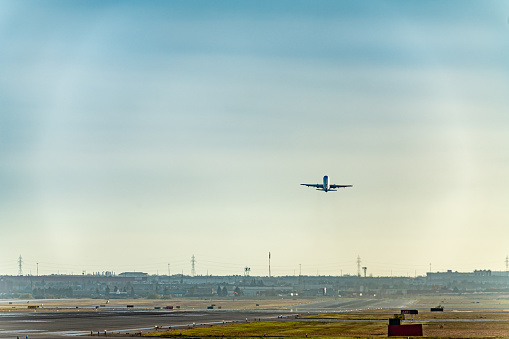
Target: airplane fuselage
(326, 186)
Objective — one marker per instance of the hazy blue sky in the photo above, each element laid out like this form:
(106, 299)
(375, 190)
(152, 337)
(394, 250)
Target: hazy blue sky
(134, 134)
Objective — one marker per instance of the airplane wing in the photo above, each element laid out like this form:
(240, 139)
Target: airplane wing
(313, 185)
(340, 186)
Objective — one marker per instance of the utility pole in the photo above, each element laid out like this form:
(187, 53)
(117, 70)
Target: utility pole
(193, 262)
(20, 265)
(169, 272)
(358, 265)
(506, 264)
(365, 269)
(37, 269)
(269, 264)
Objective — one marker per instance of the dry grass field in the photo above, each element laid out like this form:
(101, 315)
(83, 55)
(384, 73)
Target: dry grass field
(334, 329)
(422, 316)
(282, 329)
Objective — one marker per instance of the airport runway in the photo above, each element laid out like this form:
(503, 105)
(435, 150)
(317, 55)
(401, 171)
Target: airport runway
(351, 305)
(52, 324)
(68, 324)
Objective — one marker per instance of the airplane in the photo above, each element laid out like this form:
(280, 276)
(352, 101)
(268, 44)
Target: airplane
(326, 187)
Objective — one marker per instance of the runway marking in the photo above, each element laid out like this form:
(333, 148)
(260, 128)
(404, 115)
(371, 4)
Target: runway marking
(20, 331)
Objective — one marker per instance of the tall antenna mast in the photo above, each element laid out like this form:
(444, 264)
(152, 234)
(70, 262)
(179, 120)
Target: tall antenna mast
(20, 265)
(269, 264)
(358, 265)
(193, 261)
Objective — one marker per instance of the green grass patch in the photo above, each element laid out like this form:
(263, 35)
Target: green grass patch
(283, 329)
(422, 316)
(350, 316)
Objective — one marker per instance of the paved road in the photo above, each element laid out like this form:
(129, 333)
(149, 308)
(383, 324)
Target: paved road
(52, 324)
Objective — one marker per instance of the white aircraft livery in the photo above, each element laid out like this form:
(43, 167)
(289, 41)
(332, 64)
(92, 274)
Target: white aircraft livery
(326, 187)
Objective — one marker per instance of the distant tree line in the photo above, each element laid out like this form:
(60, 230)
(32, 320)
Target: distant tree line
(52, 292)
(255, 282)
(222, 292)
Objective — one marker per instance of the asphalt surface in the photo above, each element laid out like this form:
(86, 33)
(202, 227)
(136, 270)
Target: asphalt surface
(52, 324)
(351, 305)
(69, 324)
